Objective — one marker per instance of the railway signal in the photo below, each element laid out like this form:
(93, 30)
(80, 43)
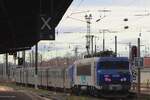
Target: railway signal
(133, 52)
(138, 62)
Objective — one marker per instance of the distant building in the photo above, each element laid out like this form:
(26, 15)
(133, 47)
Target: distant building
(58, 62)
(145, 72)
(146, 62)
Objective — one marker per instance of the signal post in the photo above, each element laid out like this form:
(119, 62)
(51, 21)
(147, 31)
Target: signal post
(139, 71)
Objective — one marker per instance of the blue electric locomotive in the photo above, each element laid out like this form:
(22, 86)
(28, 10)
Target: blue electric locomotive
(113, 74)
(102, 75)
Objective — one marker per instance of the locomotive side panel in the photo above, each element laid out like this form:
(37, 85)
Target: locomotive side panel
(84, 73)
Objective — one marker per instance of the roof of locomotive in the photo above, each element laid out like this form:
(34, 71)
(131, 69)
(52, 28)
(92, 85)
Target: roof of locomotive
(97, 59)
(86, 60)
(113, 59)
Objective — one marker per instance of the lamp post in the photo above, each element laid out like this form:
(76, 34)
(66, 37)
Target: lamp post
(95, 44)
(103, 40)
(103, 31)
(6, 59)
(116, 46)
(139, 71)
(36, 66)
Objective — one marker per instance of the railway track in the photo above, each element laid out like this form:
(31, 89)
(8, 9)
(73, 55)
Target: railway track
(67, 96)
(56, 94)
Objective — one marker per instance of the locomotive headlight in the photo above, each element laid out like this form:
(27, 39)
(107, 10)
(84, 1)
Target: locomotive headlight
(125, 79)
(121, 79)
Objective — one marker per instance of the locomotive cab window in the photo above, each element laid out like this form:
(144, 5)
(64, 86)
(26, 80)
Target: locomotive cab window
(84, 69)
(122, 65)
(114, 65)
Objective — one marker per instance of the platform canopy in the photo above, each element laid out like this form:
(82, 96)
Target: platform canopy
(25, 22)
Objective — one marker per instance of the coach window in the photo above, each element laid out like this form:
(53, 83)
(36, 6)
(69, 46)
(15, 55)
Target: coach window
(84, 69)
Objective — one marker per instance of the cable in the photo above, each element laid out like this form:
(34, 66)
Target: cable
(80, 3)
(73, 12)
(132, 2)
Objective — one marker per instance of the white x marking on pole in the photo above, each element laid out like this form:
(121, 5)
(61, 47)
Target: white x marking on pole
(46, 23)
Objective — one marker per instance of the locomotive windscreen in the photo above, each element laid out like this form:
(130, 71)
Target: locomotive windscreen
(114, 65)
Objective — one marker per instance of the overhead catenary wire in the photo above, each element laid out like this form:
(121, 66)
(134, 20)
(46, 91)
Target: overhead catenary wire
(80, 3)
(74, 11)
(131, 23)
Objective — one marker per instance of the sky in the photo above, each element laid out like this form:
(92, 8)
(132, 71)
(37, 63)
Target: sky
(71, 31)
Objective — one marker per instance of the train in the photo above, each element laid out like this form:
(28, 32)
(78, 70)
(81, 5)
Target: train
(96, 76)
